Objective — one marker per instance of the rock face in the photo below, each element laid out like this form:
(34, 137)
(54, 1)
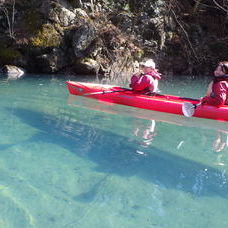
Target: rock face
(52, 36)
(50, 62)
(82, 39)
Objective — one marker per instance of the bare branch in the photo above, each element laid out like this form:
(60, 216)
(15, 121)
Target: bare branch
(186, 35)
(196, 6)
(219, 6)
(10, 15)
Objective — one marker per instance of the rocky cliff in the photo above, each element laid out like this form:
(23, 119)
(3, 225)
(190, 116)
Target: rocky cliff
(102, 37)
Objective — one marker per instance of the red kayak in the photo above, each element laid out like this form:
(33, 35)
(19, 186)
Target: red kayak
(155, 102)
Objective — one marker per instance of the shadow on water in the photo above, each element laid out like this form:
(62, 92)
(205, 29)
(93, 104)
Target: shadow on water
(115, 154)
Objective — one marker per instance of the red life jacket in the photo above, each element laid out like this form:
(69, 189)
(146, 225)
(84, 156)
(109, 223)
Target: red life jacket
(219, 92)
(144, 82)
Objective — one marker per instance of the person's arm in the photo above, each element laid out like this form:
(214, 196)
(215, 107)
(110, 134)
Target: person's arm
(209, 89)
(142, 83)
(134, 79)
(156, 75)
(218, 96)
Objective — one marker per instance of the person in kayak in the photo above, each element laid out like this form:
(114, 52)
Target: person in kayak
(217, 91)
(147, 81)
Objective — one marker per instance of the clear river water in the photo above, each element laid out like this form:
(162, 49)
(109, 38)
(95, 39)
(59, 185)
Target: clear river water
(74, 162)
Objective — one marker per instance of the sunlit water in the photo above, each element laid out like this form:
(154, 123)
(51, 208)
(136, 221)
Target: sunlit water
(73, 162)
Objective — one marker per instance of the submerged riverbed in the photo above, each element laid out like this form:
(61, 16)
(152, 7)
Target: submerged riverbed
(73, 162)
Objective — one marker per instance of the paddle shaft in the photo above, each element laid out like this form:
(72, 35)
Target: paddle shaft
(106, 91)
(197, 105)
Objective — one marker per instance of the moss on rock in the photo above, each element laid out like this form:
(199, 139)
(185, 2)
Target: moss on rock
(46, 36)
(8, 55)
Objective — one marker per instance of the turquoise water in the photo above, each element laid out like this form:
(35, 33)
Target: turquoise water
(72, 162)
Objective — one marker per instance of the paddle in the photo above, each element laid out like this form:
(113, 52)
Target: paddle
(106, 91)
(188, 109)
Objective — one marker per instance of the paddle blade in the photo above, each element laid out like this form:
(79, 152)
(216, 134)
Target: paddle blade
(188, 109)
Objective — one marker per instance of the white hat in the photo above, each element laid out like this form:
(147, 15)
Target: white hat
(148, 63)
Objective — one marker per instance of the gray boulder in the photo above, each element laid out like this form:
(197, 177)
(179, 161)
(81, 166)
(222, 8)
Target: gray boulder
(13, 72)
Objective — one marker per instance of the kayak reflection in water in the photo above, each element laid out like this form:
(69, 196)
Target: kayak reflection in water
(144, 136)
(219, 145)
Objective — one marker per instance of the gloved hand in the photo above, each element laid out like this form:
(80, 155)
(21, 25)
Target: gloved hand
(204, 100)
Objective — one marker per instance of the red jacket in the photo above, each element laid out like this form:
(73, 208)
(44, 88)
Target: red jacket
(145, 81)
(219, 94)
